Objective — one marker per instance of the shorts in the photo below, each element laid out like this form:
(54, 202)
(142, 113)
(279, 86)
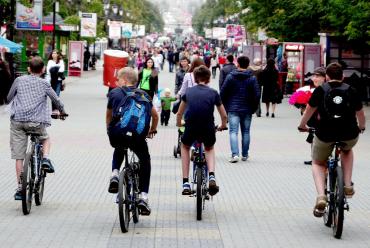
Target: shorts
(321, 150)
(19, 138)
(205, 135)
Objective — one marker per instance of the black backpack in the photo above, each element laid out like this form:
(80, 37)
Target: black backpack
(337, 102)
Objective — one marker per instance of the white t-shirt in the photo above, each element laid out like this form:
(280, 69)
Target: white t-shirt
(51, 64)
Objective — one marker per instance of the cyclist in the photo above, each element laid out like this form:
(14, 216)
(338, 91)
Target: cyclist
(198, 105)
(329, 130)
(30, 112)
(127, 77)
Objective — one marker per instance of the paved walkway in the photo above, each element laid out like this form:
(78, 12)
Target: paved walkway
(265, 202)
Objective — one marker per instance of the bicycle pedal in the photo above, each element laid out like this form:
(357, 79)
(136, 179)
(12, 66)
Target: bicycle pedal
(206, 197)
(346, 207)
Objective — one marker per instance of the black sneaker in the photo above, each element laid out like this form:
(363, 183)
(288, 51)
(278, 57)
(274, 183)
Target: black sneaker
(47, 165)
(18, 195)
(144, 208)
(113, 185)
(212, 186)
(309, 162)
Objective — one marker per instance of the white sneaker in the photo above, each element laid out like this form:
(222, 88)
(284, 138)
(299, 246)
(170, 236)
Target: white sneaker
(234, 159)
(245, 158)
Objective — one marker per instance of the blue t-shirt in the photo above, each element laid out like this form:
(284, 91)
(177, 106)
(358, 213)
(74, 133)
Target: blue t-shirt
(200, 104)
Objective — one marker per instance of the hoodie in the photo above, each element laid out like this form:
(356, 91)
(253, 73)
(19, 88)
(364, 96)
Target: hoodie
(238, 91)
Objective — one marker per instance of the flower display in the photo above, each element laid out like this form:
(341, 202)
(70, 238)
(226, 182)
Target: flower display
(300, 98)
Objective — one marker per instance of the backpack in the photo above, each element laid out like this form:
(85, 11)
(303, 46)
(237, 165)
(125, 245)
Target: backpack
(133, 114)
(337, 104)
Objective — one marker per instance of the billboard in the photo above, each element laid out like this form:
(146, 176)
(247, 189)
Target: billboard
(88, 24)
(75, 58)
(115, 30)
(219, 33)
(209, 33)
(126, 30)
(29, 18)
(230, 30)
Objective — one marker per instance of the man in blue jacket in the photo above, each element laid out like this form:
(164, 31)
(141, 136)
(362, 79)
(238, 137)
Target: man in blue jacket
(239, 92)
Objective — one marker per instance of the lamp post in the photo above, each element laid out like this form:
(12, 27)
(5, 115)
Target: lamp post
(113, 12)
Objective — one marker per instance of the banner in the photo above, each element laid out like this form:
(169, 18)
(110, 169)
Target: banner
(141, 30)
(126, 30)
(230, 30)
(88, 24)
(29, 18)
(209, 34)
(238, 33)
(115, 30)
(75, 58)
(219, 33)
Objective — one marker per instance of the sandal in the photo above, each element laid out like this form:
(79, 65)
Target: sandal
(319, 209)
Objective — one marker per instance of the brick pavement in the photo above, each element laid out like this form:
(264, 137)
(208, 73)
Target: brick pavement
(265, 202)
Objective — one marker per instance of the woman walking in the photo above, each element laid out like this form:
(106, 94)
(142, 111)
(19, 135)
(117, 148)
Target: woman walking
(148, 78)
(189, 80)
(271, 90)
(55, 73)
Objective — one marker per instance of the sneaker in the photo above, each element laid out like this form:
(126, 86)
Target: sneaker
(267, 114)
(47, 165)
(272, 115)
(320, 206)
(308, 162)
(245, 158)
(234, 159)
(113, 185)
(186, 189)
(349, 191)
(143, 206)
(212, 186)
(18, 195)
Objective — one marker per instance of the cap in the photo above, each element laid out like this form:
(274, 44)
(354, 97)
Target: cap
(319, 71)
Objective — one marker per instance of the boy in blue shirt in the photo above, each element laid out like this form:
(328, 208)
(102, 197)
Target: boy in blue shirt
(198, 105)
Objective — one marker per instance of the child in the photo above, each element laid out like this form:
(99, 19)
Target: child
(166, 106)
(198, 104)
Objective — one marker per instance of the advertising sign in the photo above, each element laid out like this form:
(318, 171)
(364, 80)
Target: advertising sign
(115, 30)
(312, 57)
(126, 30)
(141, 30)
(75, 58)
(88, 24)
(219, 33)
(209, 33)
(230, 30)
(238, 33)
(29, 18)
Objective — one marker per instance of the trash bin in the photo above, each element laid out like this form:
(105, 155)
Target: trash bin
(114, 60)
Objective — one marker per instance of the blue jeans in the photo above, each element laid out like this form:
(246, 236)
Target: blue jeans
(245, 122)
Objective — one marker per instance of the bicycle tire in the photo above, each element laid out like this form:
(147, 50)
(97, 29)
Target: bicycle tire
(199, 193)
(338, 213)
(175, 151)
(40, 192)
(123, 203)
(328, 216)
(27, 185)
(135, 212)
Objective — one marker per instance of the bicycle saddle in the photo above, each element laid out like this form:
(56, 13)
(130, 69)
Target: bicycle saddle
(33, 134)
(340, 144)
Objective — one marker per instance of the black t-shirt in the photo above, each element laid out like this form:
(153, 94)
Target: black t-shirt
(200, 104)
(341, 129)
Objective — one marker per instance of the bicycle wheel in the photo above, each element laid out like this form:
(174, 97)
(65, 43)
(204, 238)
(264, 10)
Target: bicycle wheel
(199, 193)
(338, 211)
(328, 216)
(27, 184)
(135, 209)
(175, 151)
(40, 190)
(123, 202)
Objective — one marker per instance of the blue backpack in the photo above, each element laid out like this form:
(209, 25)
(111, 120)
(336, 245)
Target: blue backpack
(134, 114)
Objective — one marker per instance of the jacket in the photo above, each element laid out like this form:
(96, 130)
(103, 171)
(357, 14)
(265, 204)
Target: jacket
(237, 91)
(179, 79)
(226, 69)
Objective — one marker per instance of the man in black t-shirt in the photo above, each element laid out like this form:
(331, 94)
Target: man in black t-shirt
(198, 104)
(330, 130)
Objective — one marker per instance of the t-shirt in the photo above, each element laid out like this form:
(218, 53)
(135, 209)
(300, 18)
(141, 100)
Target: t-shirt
(145, 83)
(200, 104)
(167, 102)
(330, 130)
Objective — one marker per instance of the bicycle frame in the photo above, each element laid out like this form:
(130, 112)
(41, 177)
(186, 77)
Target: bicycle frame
(199, 161)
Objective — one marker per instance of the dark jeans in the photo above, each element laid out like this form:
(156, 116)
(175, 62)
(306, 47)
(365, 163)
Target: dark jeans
(171, 65)
(140, 148)
(57, 88)
(214, 68)
(165, 116)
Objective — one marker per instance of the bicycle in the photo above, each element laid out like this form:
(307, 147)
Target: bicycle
(128, 191)
(200, 177)
(33, 177)
(337, 201)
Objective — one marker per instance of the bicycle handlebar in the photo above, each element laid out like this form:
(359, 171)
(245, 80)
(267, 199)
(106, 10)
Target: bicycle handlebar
(61, 116)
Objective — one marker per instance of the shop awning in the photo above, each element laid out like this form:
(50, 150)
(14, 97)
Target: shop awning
(9, 46)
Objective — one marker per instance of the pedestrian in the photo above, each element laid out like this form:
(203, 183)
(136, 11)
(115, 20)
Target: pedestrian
(55, 73)
(6, 81)
(226, 69)
(171, 60)
(342, 119)
(166, 106)
(180, 74)
(214, 65)
(158, 60)
(271, 93)
(148, 78)
(177, 58)
(239, 88)
(86, 59)
(162, 57)
(189, 80)
(257, 70)
(30, 112)
(221, 61)
(119, 140)
(131, 62)
(140, 61)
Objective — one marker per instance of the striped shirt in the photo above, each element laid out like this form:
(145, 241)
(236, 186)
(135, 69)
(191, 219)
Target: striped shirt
(29, 103)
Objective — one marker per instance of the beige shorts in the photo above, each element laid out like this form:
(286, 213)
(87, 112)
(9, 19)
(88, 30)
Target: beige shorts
(321, 150)
(18, 136)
